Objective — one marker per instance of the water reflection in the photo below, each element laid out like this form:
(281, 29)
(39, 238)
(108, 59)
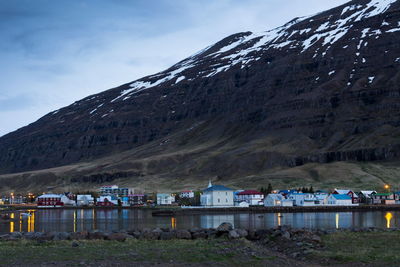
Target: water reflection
(173, 223)
(388, 218)
(12, 216)
(114, 219)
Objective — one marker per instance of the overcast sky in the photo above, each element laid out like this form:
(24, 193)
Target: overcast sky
(53, 53)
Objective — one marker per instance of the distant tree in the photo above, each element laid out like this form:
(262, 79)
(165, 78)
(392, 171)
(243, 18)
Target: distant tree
(269, 189)
(263, 190)
(196, 199)
(304, 190)
(311, 190)
(184, 201)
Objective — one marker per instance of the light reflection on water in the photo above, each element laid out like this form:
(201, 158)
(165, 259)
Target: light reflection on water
(116, 219)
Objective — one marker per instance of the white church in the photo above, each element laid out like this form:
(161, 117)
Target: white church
(217, 196)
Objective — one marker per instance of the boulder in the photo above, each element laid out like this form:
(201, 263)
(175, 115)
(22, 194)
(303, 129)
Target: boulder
(201, 234)
(224, 227)
(61, 236)
(252, 235)
(286, 235)
(183, 234)
(135, 234)
(121, 237)
(316, 238)
(233, 234)
(264, 233)
(96, 235)
(16, 235)
(167, 235)
(79, 235)
(151, 234)
(242, 232)
(195, 229)
(211, 233)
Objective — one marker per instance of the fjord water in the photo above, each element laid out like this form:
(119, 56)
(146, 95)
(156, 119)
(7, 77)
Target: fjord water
(70, 220)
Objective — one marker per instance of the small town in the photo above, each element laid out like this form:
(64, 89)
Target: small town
(214, 196)
(200, 133)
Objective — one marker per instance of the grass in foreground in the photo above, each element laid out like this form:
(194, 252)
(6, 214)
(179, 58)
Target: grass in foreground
(371, 248)
(221, 252)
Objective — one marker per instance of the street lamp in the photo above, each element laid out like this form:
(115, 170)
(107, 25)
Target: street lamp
(387, 187)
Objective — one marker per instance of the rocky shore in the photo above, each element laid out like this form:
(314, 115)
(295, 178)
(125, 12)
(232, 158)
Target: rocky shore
(296, 243)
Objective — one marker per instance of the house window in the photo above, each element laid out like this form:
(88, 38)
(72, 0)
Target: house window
(226, 200)
(226, 193)
(218, 200)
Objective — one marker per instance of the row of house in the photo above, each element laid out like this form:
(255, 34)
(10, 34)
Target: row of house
(339, 197)
(219, 196)
(307, 200)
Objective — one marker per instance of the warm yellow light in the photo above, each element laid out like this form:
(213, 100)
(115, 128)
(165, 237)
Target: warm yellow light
(388, 218)
(337, 220)
(173, 223)
(279, 219)
(387, 186)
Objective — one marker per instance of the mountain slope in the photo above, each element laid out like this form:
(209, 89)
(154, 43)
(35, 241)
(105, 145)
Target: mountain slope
(318, 89)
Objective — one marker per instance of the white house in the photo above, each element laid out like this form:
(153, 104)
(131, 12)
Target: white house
(186, 194)
(165, 199)
(217, 196)
(340, 200)
(366, 196)
(252, 197)
(277, 200)
(84, 200)
(352, 194)
(321, 198)
(303, 199)
(115, 190)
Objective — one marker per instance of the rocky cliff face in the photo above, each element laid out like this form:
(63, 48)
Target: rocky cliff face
(318, 89)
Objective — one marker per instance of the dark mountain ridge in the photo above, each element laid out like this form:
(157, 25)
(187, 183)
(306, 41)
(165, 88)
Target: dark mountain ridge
(318, 89)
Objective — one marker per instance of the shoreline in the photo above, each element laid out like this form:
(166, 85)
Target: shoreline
(172, 211)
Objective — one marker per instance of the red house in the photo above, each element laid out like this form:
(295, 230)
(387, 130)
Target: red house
(350, 193)
(107, 201)
(50, 201)
(252, 197)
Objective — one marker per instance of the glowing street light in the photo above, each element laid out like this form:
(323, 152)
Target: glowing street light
(387, 187)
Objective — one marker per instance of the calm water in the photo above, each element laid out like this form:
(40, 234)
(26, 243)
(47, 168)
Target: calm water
(109, 219)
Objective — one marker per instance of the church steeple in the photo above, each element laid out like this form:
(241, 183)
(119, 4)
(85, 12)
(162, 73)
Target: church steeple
(209, 183)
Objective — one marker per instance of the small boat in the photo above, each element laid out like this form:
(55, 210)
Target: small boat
(280, 215)
(5, 217)
(24, 214)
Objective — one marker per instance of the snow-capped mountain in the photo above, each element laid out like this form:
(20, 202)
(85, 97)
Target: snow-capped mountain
(318, 89)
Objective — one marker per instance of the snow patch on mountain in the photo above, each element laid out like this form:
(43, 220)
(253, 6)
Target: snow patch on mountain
(245, 50)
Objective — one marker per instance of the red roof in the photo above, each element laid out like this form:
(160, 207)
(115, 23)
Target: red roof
(250, 192)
